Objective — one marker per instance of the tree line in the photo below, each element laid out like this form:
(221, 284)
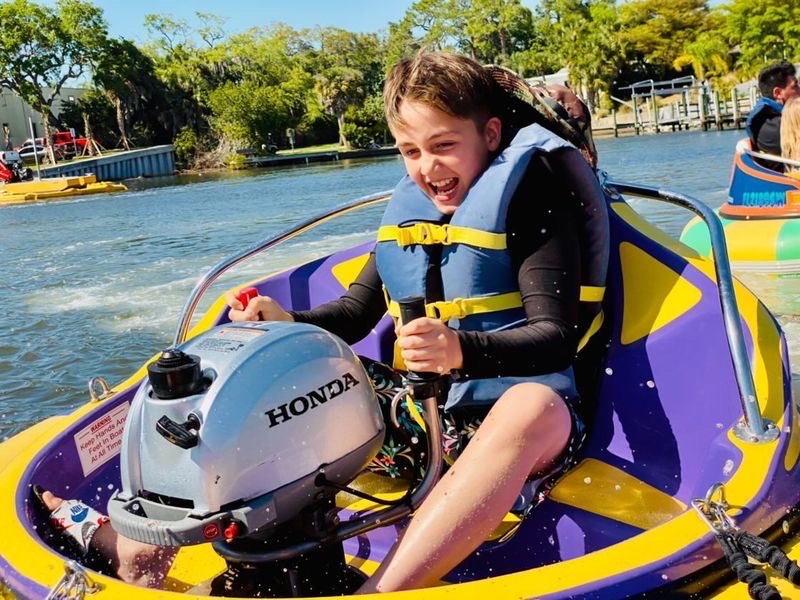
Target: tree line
(211, 93)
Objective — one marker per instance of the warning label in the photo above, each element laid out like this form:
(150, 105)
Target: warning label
(101, 440)
(229, 340)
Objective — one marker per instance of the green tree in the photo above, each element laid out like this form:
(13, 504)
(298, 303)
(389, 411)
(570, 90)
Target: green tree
(762, 31)
(655, 32)
(127, 76)
(583, 36)
(708, 54)
(42, 48)
(348, 68)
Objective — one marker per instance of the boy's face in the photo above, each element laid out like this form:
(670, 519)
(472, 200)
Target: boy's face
(444, 154)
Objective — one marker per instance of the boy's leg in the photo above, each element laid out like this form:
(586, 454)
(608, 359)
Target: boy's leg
(132, 561)
(525, 432)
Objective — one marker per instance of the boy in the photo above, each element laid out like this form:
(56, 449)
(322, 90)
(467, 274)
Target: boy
(513, 384)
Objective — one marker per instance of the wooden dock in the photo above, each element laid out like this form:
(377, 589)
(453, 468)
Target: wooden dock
(691, 107)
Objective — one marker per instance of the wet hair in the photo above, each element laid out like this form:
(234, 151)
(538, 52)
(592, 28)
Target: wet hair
(774, 75)
(454, 84)
(790, 131)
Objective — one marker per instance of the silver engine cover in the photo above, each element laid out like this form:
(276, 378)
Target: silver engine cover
(284, 400)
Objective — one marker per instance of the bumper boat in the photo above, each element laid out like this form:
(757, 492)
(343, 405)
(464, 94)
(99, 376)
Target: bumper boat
(56, 188)
(696, 440)
(761, 217)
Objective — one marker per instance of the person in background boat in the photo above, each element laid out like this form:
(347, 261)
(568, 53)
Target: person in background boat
(513, 395)
(777, 84)
(790, 135)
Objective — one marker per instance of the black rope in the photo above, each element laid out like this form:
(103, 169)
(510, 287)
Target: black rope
(761, 550)
(746, 572)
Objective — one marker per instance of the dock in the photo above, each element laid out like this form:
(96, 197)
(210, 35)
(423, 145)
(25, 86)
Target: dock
(276, 160)
(692, 105)
(154, 161)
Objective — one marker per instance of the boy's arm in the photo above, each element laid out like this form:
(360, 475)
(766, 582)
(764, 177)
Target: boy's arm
(352, 316)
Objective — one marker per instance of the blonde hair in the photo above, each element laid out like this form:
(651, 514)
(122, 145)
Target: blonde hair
(449, 82)
(790, 131)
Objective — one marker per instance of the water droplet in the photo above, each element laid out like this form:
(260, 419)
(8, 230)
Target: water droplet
(727, 469)
(609, 371)
(617, 487)
(587, 480)
(650, 383)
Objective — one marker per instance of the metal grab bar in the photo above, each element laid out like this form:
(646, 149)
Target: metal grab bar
(771, 157)
(755, 428)
(223, 266)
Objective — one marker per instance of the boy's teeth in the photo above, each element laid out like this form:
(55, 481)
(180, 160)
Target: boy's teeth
(444, 183)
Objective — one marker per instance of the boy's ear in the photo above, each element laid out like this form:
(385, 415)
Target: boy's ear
(492, 131)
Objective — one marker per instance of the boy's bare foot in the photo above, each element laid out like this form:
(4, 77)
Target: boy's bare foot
(131, 561)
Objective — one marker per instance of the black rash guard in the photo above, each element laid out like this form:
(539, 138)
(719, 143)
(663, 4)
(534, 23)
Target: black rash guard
(542, 230)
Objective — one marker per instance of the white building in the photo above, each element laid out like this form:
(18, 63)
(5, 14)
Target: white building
(15, 115)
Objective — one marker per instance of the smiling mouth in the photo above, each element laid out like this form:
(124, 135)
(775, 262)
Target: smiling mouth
(444, 187)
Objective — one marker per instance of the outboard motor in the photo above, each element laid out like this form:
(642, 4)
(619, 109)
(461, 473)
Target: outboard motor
(240, 437)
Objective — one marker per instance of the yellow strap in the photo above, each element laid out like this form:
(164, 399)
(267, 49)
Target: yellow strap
(433, 233)
(592, 293)
(594, 327)
(458, 308)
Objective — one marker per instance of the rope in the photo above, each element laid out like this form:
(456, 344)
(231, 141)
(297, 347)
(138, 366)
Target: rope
(746, 572)
(761, 550)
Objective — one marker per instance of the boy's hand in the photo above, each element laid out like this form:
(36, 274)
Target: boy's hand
(428, 345)
(259, 308)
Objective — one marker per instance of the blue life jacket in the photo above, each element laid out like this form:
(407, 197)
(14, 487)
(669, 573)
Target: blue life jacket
(480, 287)
(763, 103)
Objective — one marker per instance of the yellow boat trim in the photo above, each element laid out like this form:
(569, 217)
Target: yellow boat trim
(434, 233)
(640, 316)
(604, 490)
(346, 271)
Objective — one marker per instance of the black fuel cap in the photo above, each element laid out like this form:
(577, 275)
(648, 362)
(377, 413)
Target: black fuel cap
(175, 375)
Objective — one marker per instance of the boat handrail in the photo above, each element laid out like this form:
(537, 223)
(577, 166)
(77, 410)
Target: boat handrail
(215, 272)
(754, 427)
(745, 149)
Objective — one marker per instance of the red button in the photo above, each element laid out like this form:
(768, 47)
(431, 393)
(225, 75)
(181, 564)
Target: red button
(245, 295)
(231, 531)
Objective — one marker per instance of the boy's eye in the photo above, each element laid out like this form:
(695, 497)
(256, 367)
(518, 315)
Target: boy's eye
(445, 145)
(410, 152)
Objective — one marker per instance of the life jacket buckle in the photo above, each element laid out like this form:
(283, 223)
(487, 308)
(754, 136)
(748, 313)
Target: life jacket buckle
(424, 233)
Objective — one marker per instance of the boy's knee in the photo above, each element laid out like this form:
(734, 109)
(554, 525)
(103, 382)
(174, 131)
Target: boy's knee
(533, 408)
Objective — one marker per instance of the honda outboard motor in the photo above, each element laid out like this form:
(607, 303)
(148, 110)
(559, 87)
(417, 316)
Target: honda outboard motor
(232, 440)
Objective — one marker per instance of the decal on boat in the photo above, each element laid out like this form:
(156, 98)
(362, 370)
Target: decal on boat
(101, 440)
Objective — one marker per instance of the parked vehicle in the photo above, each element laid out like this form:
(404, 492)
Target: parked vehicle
(67, 143)
(27, 150)
(12, 169)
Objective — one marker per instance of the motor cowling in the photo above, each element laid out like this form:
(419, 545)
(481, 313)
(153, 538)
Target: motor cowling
(276, 404)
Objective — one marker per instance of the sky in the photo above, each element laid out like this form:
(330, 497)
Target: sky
(126, 17)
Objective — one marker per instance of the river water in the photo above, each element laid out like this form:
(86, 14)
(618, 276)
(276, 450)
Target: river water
(94, 286)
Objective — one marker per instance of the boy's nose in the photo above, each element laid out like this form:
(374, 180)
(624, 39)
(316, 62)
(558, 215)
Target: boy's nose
(428, 164)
